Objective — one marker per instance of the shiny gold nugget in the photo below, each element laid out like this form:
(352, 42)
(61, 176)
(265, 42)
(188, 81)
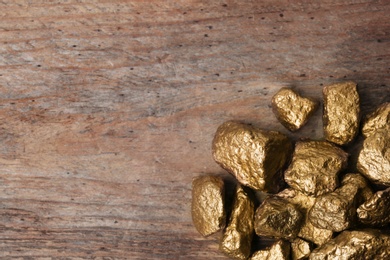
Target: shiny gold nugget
(336, 211)
(300, 249)
(341, 112)
(377, 120)
(280, 250)
(307, 231)
(208, 204)
(376, 210)
(315, 166)
(276, 217)
(354, 245)
(374, 158)
(255, 157)
(291, 109)
(237, 239)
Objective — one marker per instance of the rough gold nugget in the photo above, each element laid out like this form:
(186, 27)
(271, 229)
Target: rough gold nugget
(374, 158)
(341, 112)
(355, 245)
(291, 109)
(280, 250)
(208, 204)
(315, 166)
(237, 239)
(300, 249)
(304, 203)
(376, 210)
(336, 211)
(255, 157)
(276, 217)
(379, 119)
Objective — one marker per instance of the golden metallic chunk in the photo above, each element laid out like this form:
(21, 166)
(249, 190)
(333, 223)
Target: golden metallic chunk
(379, 119)
(315, 166)
(300, 249)
(341, 112)
(208, 204)
(280, 250)
(304, 203)
(336, 211)
(255, 157)
(237, 239)
(359, 181)
(376, 211)
(354, 245)
(276, 217)
(291, 109)
(374, 158)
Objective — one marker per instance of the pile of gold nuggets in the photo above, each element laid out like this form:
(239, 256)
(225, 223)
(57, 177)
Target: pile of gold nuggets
(313, 208)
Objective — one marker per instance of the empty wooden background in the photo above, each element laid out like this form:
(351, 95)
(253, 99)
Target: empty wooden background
(108, 109)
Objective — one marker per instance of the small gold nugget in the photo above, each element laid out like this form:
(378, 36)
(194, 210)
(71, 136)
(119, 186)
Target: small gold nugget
(208, 204)
(341, 112)
(307, 231)
(237, 239)
(255, 157)
(379, 119)
(291, 109)
(336, 211)
(276, 217)
(280, 250)
(315, 166)
(376, 210)
(353, 245)
(300, 249)
(374, 158)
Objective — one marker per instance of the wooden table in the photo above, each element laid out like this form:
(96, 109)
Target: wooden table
(108, 109)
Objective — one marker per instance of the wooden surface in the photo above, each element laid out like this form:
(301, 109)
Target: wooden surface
(108, 109)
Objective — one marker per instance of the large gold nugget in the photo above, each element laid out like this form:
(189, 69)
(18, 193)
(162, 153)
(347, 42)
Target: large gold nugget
(354, 245)
(280, 250)
(300, 249)
(336, 211)
(374, 158)
(379, 119)
(307, 231)
(291, 109)
(255, 157)
(376, 211)
(276, 217)
(315, 166)
(208, 204)
(237, 239)
(341, 112)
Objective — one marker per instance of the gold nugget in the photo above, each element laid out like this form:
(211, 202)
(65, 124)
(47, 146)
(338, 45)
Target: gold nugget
(280, 250)
(300, 249)
(374, 158)
(255, 157)
(208, 204)
(291, 109)
(307, 231)
(341, 112)
(379, 119)
(276, 217)
(351, 245)
(237, 239)
(315, 166)
(336, 211)
(376, 210)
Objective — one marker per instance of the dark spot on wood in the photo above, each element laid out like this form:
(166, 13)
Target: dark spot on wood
(312, 18)
(206, 35)
(330, 76)
(115, 221)
(250, 17)
(281, 15)
(38, 65)
(216, 74)
(239, 91)
(215, 88)
(225, 5)
(131, 68)
(210, 45)
(262, 18)
(74, 46)
(379, 59)
(12, 103)
(379, 40)
(184, 12)
(210, 27)
(302, 75)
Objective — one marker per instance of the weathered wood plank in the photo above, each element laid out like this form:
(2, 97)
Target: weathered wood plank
(108, 109)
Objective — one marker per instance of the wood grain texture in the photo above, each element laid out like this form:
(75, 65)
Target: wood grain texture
(108, 109)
